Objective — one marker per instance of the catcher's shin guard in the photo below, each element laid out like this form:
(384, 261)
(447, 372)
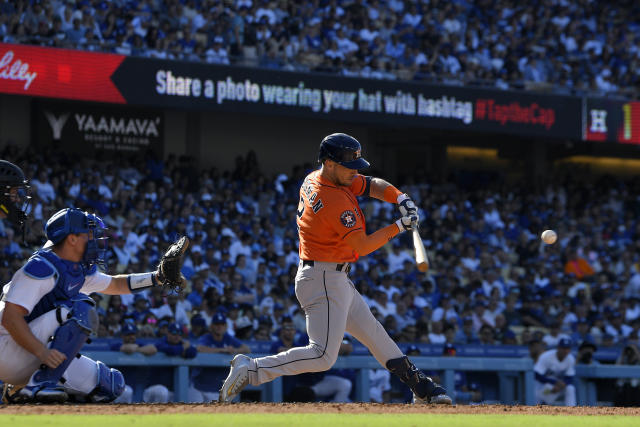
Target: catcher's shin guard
(423, 387)
(68, 339)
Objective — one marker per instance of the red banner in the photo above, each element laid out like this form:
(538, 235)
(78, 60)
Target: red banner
(59, 73)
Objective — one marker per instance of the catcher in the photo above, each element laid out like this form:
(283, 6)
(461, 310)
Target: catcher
(47, 316)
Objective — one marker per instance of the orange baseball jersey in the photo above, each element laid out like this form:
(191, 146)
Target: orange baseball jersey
(326, 215)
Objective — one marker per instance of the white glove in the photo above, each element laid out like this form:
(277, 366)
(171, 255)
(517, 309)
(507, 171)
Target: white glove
(407, 223)
(406, 205)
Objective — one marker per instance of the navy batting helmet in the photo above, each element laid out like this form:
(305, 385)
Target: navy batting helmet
(14, 189)
(74, 221)
(342, 149)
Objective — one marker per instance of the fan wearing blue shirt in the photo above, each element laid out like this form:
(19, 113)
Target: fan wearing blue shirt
(139, 374)
(172, 345)
(206, 382)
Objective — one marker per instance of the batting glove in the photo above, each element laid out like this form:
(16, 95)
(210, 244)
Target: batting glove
(407, 223)
(406, 205)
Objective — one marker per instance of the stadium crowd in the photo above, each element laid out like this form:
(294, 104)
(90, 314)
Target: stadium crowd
(492, 281)
(574, 46)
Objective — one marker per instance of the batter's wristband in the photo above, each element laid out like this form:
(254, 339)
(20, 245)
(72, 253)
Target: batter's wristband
(391, 194)
(400, 226)
(138, 282)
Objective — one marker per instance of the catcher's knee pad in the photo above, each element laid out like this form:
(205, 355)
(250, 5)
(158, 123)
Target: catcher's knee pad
(69, 338)
(84, 313)
(110, 384)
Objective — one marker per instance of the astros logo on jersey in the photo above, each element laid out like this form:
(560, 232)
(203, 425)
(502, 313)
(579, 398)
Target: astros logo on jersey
(348, 219)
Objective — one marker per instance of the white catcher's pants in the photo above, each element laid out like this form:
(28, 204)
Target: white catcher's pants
(17, 364)
(332, 305)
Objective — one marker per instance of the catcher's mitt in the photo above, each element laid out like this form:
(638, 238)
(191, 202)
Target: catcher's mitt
(168, 274)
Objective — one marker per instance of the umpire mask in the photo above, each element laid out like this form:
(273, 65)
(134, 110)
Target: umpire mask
(14, 194)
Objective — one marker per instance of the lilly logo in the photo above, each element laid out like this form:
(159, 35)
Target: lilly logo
(16, 70)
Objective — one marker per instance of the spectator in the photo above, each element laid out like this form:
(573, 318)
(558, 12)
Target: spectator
(578, 266)
(198, 328)
(206, 382)
(466, 335)
(456, 52)
(465, 392)
(134, 375)
(173, 308)
(397, 256)
(554, 373)
(218, 339)
(536, 348)
(617, 328)
(217, 54)
(554, 336)
(335, 386)
(628, 389)
(382, 304)
(487, 335)
(171, 344)
(436, 336)
(174, 345)
(140, 308)
(585, 353)
(582, 331)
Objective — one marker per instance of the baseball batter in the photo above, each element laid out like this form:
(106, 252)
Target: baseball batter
(46, 315)
(332, 235)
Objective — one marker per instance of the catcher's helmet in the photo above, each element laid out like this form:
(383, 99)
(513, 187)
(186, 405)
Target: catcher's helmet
(73, 221)
(342, 149)
(14, 189)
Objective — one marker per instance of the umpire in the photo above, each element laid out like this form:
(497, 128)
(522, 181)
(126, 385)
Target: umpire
(14, 194)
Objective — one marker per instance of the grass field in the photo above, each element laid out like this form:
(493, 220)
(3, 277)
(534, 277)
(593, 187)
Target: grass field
(315, 419)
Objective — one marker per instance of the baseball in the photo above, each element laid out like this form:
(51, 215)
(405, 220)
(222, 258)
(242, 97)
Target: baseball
(549, 237)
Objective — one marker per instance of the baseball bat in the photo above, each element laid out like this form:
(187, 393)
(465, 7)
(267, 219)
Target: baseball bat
(421, 254)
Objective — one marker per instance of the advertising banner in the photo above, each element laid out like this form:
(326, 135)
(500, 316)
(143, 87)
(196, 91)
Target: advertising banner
(58, 73)
(80, 127)
(612, 121)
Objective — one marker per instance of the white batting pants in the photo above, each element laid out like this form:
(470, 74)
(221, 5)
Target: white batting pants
(545, 396)
(17, 364)
(338, 388)
(332, 305)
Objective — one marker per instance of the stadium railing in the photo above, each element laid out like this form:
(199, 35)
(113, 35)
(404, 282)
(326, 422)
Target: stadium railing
(514, 373)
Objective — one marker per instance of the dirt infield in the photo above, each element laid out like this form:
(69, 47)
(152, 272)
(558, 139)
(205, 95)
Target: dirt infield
(284, 408)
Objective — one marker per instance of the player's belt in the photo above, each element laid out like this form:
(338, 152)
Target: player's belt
(345, 267)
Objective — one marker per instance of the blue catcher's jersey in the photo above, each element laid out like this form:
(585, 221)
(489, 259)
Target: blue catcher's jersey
(69, 277)
(46, 281)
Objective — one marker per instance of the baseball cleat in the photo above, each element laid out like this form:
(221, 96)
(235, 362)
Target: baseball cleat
(438, 397)
(10, 393)
(41, 394)
(237, 380)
